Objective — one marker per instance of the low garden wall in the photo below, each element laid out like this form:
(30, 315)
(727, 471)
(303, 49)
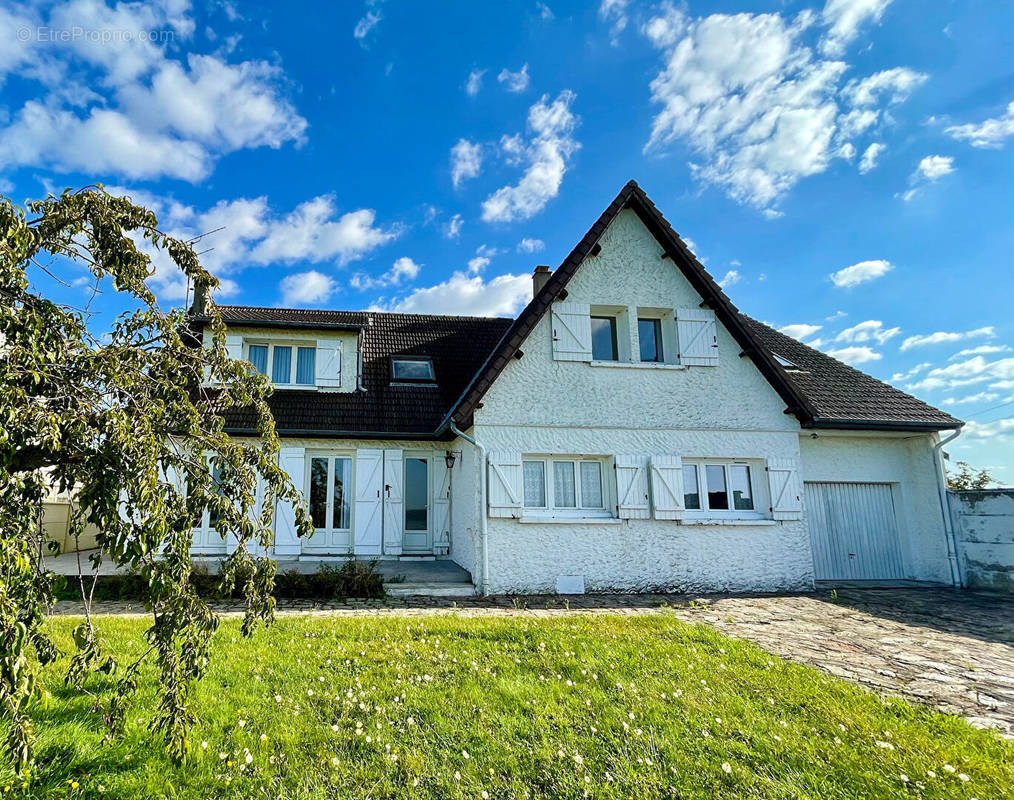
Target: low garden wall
(984, 533)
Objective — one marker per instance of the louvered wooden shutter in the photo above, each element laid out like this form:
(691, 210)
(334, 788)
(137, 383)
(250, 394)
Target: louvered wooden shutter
(368, 522)
(572, 332)
(234, 345)
(505, 484)
(441, 505)
(329, 362)
(292, 461)
(632, 487)
(697, 336)
(394, 502)
(783, 481)
(667, 487)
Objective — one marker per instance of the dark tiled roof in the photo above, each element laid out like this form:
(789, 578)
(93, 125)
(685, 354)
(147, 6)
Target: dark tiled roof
(841, 394)
(457, 345)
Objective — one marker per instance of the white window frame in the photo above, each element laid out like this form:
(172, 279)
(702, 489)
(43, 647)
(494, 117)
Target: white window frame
(294, 344)
(330, 456)
(704, 512)
(551, 510)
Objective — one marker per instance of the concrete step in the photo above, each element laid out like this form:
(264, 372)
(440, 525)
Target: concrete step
(429, 589)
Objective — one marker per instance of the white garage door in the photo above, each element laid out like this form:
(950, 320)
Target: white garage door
(853, 531)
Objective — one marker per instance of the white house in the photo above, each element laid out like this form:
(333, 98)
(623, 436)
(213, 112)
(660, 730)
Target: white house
(629, 430)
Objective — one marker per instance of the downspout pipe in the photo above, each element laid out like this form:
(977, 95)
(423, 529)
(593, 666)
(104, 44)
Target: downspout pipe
(957, 579)
(484, 524)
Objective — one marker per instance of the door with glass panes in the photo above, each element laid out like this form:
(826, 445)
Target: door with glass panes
(329, 498)
(417, 536)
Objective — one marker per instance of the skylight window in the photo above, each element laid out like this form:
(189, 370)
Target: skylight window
(786, 363)
(412, 370)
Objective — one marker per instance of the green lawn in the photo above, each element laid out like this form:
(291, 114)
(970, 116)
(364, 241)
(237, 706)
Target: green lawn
(448, 707)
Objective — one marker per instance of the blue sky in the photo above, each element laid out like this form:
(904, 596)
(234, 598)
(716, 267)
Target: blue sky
(844, 169)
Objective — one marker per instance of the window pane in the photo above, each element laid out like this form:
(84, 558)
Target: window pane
(564, 494)
(591, 484)
(691, 492)
(281, 368)
(216, 476)
(535, 484)
(306, 365)
(318, 492)
(718, 496)
(416, 491)
(259, 358)
(742, 495)
(603, 331)
(407, 369)
(649, 331)
(342, 474)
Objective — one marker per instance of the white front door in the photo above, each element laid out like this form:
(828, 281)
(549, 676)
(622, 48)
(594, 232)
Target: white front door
(329, 496)
(418, 528)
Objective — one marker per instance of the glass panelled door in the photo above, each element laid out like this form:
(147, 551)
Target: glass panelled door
(418, 534)
(330, 503)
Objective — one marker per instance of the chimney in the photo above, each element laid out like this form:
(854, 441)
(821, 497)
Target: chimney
(540, 278)
(202, 297)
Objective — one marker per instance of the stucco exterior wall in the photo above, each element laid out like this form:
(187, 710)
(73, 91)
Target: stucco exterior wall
(984, 529)
(905, 460)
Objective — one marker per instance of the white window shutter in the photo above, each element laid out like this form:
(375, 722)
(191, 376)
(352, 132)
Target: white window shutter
(441, 504)
(234, 346)
(667, 486)
(505, 484)
(292, 460)
(369, 521)
(632, 487)
(394, 502)
(572, 332)
(329, 362)
(783, 481)
(697, 336)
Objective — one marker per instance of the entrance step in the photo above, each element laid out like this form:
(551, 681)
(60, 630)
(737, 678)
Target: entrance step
(430, 589)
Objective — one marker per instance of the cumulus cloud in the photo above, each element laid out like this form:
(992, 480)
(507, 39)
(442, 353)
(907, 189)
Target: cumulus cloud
(514, 81)
(403, 270)
(303, 288)
(988, 133)
(157, 116)
(844, 19)
(978, 397)
(982, 349)
(474, 82)
(615, 13)
(466, 161)
(527, 245)
(855, 355)
(966, 373)
(870, 157)
(929, 170)
(758, 110)
(922, 340)
(452, 230)
(1001, 429)
(800, 330)
(545, 156)
(469, 295)
(860, 273)
(730, 278)
(872, 330)
(908, 375)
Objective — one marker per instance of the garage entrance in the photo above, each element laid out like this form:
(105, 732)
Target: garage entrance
(854, 532)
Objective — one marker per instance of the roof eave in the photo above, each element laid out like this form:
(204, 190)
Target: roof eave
(830, 423)
(261, 323)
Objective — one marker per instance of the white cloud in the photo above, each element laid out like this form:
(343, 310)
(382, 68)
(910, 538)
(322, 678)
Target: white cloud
(1001, 429)
(545, 12)
(545, 156)
(988, 133)
(837, 315)
(477, 264)
(514, 81)
(872, 330)
(368, 21)
(978, 397)
(731, 277)
(905, 376)
(302, 288)
(982, 349)
(615, 13)
(934, 167)
(890, 85)
(466, 161)
(469, 295)
(870, 157)
(965, 373)
(844, 18)
(403, 269)
(452, 230)
(474, 82)
(800, 330)
(860, 273)
(156, 116)
(855, 355)
(527, 245)
(758, 110)
(939, 337)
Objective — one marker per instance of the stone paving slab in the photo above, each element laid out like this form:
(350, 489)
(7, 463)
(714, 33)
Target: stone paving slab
(950, 649)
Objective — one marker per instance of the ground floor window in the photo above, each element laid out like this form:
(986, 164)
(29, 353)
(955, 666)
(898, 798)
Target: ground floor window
(568, 484)
(726, 487)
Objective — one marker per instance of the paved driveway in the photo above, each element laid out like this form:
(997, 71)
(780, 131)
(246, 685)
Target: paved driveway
(950, 649)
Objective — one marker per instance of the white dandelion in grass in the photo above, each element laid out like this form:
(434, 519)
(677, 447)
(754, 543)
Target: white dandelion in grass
(726, 767)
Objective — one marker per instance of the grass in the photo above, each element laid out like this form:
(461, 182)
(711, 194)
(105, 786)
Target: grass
(453, 707)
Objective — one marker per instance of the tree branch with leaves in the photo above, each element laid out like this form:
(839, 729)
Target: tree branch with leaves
(129, 422)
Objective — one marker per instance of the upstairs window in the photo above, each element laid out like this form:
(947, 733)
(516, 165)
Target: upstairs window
(405, 369)
(603, 336)
(277, 361)
(649, 334)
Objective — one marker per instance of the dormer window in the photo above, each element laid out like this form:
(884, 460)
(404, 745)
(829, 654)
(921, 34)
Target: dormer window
(287, 364)
(412, 369)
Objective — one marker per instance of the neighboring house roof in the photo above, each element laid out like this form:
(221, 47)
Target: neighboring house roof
(469, 353)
